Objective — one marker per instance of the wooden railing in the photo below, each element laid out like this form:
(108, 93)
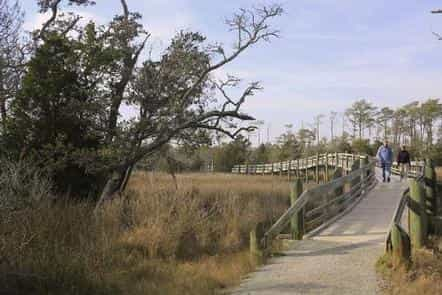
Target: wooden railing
(314, 209)
(415, 170)
(298, 166)
(420, 200)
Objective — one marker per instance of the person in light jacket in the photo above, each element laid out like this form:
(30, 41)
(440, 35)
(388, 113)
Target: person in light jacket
(385, 157)
(403, 160)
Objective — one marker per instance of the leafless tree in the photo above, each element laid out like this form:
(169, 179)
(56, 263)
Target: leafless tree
(13, 51)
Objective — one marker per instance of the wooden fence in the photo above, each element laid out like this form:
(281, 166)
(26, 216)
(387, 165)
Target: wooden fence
(314, 167)
(420, 199)
(296, 167)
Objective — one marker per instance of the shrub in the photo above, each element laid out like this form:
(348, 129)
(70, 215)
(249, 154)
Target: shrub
(22, 185)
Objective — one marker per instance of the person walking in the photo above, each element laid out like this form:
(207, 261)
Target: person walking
(385, 157)
(403, 160)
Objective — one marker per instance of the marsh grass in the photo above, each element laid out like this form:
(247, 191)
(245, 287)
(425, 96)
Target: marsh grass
(422, 276)
(160, 238)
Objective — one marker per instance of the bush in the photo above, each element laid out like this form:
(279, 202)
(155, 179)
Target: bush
(22, 185)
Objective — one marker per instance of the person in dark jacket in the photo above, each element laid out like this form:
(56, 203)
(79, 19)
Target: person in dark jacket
(403, 160)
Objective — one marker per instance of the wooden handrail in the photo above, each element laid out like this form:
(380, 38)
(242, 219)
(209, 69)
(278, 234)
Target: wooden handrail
(329, 159)
(364, 182)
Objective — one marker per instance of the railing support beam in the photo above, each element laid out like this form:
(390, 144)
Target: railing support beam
(401, 247)
(297, 220)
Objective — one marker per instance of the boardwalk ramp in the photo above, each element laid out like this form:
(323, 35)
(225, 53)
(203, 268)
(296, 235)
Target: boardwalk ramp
(338, 260)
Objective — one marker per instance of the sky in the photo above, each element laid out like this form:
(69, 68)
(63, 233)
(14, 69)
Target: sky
(330, 53)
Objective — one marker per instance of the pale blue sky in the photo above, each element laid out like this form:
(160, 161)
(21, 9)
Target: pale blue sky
(330, 52)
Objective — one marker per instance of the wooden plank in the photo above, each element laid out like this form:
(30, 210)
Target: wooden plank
(282, 222)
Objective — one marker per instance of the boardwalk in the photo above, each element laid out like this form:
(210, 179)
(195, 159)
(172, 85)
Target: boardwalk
(339, 260)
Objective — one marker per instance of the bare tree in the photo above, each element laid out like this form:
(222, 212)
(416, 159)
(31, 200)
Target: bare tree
(12, 53)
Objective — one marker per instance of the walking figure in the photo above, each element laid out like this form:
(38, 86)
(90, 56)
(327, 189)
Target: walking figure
(403, 160)
(385, 157)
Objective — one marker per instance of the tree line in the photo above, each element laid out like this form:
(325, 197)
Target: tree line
(417, 125)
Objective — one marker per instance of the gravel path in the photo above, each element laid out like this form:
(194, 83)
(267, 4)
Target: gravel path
(339, 260)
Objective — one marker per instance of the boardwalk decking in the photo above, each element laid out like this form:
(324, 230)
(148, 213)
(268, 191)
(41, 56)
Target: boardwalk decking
(340, 259)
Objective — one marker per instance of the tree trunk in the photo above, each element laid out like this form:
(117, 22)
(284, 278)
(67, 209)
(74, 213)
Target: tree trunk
(112, 187)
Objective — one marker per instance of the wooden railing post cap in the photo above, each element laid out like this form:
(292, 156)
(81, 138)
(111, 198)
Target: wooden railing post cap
(428, 162)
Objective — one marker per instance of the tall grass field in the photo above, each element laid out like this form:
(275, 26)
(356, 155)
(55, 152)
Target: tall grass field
(188, 236)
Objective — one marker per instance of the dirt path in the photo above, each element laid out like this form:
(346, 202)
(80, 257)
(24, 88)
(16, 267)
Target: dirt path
(339, 260)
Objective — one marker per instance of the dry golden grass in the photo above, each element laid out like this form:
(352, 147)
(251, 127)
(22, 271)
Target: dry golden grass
(423, 276)
(158, 239)
(439, 173)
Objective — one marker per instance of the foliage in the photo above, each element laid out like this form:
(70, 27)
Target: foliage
(230, 154)
(288, 146)
(22, 185)
(360, 115)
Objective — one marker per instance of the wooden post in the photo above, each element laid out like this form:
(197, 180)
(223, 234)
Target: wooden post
(297, 221)
(280, 168)
(297, 168)
(338, 174)
(256, 253)
(400, 243)
(346, 164)
(362, 163)
(327, 177)
(430, 192)
(289, 167)
(306, 170)
(272, 168)
(317, 169)
(418, 219)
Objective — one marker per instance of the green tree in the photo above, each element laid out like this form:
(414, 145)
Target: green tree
(261, 154)
(57, 113)
(228, 155)
(430, 112)
(288, 146)
(383, 118)
(360, 115)
(306, 137)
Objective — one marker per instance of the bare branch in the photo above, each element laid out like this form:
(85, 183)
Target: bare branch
(225, 131)
(50, 21)
(125, 9)
(256, 30)
(439, 37)
(71, 25)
